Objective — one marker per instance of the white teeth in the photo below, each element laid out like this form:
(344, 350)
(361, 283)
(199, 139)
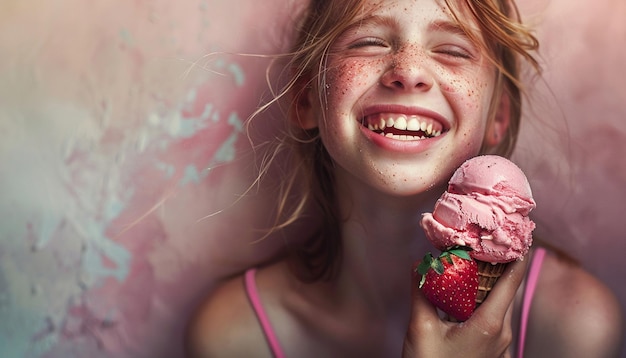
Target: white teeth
(402, 137)
(400, 123)
(410, 123)
(413, 124)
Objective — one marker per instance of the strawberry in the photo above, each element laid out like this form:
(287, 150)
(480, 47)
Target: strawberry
(450, 281)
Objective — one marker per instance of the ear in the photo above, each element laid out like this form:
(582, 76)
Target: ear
(497, 128)
(302, 108)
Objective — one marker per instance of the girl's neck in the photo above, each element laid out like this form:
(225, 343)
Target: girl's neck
(381, 240)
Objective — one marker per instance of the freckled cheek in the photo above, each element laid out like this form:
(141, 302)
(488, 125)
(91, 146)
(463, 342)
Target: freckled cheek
(470, 94)
(351, 76)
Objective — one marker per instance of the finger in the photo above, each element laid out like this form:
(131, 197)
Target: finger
(507, 328)
(503, 293)
(508, 316)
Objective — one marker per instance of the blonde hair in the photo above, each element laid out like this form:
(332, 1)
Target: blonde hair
(505, 40)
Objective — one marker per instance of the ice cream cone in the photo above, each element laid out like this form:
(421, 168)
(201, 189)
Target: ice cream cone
(488, 274)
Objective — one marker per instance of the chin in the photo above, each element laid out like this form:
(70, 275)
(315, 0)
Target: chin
(406, 190)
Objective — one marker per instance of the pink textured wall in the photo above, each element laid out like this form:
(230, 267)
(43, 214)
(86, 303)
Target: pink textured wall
(120, 135)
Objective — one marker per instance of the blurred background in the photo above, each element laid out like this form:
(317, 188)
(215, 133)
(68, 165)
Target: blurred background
(123, 159)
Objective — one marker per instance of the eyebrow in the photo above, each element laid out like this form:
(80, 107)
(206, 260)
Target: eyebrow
(448, 26)
(374, 20)
(454, 28)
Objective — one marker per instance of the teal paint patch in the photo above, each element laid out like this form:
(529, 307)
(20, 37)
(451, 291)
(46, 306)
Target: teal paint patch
(168, 169)
(114, 209)
(189, 127)
(48, 224)
(238, 74)
(227, 151)
(99, 247)
(17, 330)
(191, 175)
(235, 121)
(28, 327)
(206, 114)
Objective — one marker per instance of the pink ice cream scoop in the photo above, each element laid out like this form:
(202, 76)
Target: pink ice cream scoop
(486, 208)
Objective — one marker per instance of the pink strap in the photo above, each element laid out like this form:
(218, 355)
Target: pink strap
(531, 284)
(266, 326)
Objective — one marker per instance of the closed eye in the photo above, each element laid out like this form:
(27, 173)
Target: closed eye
(369, 41)
(454, 52)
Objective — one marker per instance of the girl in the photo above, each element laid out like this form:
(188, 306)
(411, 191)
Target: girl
(388, 98)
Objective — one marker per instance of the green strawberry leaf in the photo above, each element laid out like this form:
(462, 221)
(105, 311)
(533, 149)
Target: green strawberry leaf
(423, 266)
(428, 263)
(460, 251)
(437, 265)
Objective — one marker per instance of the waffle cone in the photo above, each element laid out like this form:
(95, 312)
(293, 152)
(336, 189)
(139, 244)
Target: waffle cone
(488, 274)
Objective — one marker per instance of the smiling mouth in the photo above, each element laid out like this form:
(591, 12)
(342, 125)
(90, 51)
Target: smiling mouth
(402, 127)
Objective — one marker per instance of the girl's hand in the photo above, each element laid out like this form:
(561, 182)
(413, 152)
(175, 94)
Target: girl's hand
(487, 333)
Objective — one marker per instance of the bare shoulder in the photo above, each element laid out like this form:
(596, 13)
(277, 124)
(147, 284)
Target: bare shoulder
(225, 325)
(573, 314)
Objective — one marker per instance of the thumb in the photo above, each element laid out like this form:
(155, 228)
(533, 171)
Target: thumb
(424, 318)
(421, 308)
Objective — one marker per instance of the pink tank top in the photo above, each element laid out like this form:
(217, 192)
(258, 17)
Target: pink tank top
(277, 351)
(257, 306)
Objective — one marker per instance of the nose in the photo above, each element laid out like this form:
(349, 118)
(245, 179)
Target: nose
(408, 72)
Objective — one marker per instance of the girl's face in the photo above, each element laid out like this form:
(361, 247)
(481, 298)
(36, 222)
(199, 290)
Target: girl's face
(407, 96)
